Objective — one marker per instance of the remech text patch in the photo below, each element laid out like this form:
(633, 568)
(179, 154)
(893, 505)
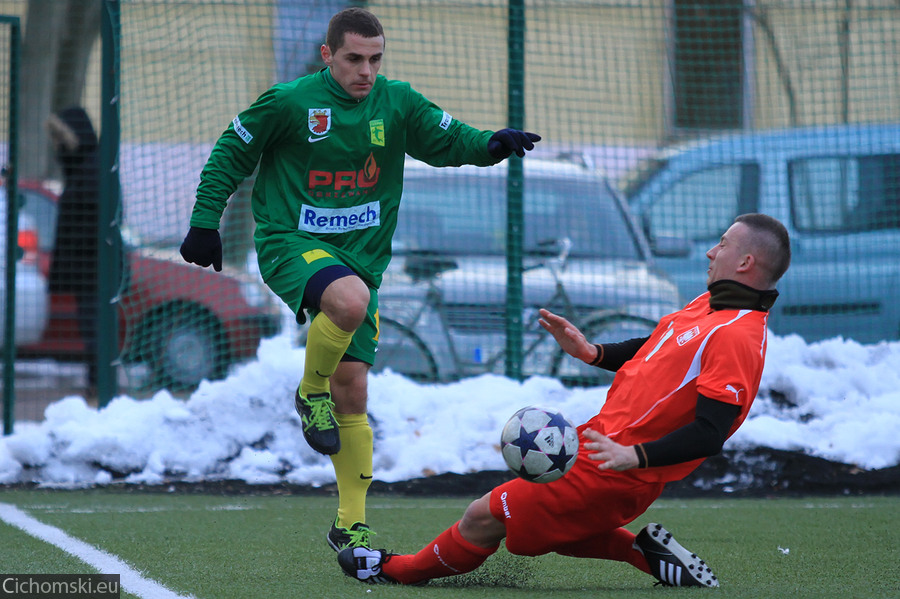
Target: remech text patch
(242, 133)
(339, 220)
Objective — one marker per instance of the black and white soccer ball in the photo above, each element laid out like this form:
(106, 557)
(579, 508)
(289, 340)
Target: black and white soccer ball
(539, 445)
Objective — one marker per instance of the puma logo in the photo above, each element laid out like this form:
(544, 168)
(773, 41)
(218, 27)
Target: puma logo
(737, 392)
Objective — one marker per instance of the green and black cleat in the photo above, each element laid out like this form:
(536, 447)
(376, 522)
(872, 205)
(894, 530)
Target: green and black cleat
(320, 429)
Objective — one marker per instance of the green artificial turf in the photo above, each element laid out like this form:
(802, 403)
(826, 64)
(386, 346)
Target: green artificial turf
(222, 547)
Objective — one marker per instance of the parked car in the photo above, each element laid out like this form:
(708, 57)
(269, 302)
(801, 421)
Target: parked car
(186, 323)
(442, 304)
(31, 300)
(836, 189)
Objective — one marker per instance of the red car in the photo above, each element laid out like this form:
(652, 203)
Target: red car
(186, 323)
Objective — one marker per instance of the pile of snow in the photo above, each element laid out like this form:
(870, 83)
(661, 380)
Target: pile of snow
(836, 399)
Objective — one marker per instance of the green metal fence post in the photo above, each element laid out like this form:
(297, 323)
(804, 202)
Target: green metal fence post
(514, 191)
(12, 227)
(109, 257)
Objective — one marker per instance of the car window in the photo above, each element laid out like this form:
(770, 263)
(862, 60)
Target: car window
(635, 179)
(42, 211)
(466, 214)
(845, 194)
(26, 222)
(704, 203)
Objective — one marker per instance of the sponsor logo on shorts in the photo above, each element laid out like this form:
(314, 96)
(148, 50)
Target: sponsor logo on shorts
(505, 505)
(313, 255)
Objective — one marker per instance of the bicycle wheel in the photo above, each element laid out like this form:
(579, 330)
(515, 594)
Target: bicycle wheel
(400, 350)
(602, 329)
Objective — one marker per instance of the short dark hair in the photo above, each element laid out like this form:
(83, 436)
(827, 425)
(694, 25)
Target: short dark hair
(352, 20)
(771, 243)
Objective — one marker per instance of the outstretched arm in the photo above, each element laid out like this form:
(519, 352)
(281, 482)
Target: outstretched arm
(570, 339)
(609, 356)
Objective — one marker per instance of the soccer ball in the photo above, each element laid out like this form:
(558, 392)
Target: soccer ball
(539, 445)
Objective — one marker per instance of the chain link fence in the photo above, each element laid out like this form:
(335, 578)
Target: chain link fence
(661, 120)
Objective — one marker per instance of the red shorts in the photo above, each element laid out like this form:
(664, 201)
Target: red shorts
(585, 503)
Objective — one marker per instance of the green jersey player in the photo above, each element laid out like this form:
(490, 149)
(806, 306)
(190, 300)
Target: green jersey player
(330, 148)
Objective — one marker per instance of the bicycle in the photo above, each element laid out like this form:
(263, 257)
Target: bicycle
(430, 340)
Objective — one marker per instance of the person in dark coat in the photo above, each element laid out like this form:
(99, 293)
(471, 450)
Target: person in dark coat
(75, 255)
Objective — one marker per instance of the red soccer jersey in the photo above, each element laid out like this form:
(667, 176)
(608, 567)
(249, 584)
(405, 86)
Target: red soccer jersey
(717, 353)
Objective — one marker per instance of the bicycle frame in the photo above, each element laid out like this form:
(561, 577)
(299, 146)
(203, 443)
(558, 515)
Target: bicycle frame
(484, 359)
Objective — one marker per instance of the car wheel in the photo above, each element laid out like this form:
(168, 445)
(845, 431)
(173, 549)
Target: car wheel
(184, 347)
(603, 329)
(402, 351)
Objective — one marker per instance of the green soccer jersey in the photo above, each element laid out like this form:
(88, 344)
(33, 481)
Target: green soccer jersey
(331, 167)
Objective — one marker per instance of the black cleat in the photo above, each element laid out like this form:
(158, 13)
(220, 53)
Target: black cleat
(320, 429)
(670, 563)
(356, 536)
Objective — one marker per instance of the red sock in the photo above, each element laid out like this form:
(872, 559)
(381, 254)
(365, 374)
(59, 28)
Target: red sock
(448, 555)
(617, 545)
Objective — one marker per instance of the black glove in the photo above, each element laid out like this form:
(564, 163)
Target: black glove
(203, 247)
(506, 141)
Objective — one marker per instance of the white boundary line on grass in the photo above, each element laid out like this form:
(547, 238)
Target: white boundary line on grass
(129, 579)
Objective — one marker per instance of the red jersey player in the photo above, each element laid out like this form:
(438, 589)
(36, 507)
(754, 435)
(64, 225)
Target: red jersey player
(676, 397)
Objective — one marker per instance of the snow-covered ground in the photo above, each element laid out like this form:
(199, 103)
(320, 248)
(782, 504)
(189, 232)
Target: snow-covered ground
(834, 399)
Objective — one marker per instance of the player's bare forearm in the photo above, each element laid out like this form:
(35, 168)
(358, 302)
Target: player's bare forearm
(567, 335)
(611, 455)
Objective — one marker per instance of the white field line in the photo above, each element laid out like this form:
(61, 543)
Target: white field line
(57, 509)
(130, 579)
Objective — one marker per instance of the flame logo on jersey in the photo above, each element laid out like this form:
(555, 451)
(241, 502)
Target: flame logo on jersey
(369, 173)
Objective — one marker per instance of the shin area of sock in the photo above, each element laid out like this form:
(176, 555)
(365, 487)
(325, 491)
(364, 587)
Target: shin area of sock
(447, 555)
(617, 545)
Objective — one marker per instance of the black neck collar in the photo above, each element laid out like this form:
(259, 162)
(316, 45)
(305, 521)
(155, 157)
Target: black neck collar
(727, 294)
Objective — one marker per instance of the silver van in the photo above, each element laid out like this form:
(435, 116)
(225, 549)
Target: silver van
(443, 301)
(836, 188)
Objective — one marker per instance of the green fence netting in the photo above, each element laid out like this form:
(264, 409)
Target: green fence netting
(661, 121)
(14, 248)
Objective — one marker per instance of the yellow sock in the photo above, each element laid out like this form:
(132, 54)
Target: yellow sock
(325, 345)
(353, 467)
